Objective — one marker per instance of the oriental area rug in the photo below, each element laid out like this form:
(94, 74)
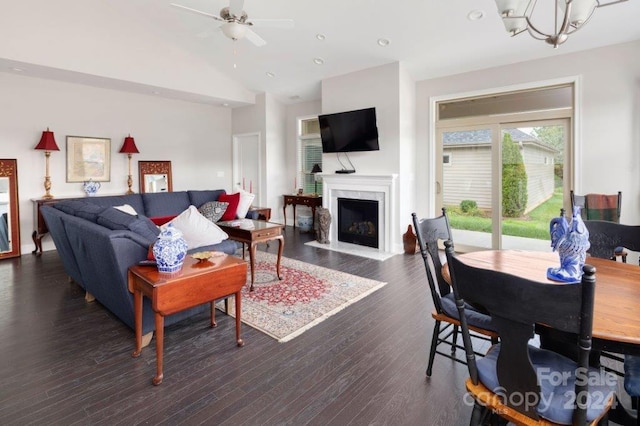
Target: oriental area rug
(306, 296)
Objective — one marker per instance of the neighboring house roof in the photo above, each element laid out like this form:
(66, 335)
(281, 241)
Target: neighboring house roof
(481, 137)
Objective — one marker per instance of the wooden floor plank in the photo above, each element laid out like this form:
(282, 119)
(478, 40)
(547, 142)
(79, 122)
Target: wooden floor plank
(66, 361)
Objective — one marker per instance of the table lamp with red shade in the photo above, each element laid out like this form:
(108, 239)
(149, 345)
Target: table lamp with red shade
(129, 148)
(48, 144)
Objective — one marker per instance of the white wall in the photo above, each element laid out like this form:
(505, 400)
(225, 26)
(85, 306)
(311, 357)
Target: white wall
(608, 138)
(385, 88)
(195, 137)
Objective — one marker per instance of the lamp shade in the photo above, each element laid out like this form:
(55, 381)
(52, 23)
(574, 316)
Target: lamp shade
(316, 168)
(47, 142)
(129, 146)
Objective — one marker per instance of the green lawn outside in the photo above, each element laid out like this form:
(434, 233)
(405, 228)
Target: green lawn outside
(533, 225)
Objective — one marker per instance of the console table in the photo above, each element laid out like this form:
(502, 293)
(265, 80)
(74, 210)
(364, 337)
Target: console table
(312, 201)
(38, 220)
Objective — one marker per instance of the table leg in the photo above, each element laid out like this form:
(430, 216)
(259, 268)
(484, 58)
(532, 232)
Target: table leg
(159, 348)
(137, 308)
(313, 219)
(37, 241)
(252, 256)
(284, 214)
(239, 341)
(213, 314)
(280, 247)
(294, 216)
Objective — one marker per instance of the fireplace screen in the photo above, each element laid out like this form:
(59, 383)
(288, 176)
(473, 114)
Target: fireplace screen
(358, 222)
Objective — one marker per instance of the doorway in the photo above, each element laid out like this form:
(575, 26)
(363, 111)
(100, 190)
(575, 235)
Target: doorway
(247, 167)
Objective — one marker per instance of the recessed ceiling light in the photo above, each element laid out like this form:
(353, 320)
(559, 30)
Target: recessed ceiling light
(16, 69)
(383, 42)
(475, 15)
(270, 74)
(318, 61)
(320, 36)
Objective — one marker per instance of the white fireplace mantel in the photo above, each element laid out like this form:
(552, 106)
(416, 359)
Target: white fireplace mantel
(382, 188)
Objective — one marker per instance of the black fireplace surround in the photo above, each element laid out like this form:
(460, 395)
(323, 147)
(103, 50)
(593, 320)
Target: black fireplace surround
(358, 221)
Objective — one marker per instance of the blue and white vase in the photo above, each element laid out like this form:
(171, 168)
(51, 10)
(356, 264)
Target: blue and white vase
(571, 241)
(90, 187)
(170, 249)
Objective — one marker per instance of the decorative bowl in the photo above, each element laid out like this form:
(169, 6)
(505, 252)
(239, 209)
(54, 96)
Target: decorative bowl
(203, 256)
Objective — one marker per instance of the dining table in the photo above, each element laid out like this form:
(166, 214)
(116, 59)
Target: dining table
(616, 313)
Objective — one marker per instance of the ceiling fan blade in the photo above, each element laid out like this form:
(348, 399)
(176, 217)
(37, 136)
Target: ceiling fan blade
(273, 23)
(235, 7)
(199, 12)
(254, 38)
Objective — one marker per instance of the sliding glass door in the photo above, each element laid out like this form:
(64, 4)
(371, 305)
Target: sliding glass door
(502, 182)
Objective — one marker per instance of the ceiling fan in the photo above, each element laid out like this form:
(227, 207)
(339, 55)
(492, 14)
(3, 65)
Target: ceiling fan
(235, 22)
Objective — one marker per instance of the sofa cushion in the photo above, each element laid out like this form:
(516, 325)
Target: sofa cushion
(165, 203)
(134, 200)
(213, 210)
(80, 208)
(113, 218)
(232, 208)
(198, 198)
(246, 198)
(197, 230)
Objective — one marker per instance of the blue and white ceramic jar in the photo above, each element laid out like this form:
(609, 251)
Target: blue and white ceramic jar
(90, 187)
(170, 249)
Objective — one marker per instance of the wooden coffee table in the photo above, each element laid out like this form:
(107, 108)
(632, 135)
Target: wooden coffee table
(252, 232)
(196, 283)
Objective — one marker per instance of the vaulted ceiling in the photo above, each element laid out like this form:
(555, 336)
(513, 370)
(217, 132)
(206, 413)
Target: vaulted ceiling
(149, 46)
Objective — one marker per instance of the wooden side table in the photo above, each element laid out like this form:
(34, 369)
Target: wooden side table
(312, 201)
(196, 283)
(253, 232)
(41, 226)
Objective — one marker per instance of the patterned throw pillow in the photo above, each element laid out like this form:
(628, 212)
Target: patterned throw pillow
(213, 210)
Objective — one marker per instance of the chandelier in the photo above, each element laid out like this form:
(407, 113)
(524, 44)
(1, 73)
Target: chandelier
(570, 16)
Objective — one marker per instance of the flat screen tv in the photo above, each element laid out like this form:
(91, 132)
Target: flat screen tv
(349, 131)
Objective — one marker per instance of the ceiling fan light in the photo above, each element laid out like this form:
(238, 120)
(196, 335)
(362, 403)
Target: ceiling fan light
(234, 30)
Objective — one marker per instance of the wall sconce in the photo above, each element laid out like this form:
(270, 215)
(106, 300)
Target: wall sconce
(129, 148)
(48, 144)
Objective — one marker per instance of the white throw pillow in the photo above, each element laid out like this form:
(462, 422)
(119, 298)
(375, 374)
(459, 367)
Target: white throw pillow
(246, 198)
(197, 230)
(126, 208)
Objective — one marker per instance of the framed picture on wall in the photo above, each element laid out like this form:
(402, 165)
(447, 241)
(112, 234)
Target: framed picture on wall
(88, 158)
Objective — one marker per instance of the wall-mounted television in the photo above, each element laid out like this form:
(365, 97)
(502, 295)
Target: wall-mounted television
(349, 131)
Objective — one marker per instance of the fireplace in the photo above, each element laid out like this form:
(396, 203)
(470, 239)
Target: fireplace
(358, 221)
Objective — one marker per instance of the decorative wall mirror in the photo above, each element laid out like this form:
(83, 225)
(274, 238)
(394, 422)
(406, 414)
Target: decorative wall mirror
(9, 217)
(155, 176)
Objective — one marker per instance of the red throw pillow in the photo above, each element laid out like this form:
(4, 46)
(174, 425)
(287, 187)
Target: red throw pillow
(161, 220)
(232, 208)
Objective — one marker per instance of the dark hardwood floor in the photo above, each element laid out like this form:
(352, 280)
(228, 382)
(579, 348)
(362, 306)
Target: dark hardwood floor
(65, 361)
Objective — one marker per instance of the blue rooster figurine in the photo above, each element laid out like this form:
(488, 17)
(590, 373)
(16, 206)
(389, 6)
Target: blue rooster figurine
(571, 241)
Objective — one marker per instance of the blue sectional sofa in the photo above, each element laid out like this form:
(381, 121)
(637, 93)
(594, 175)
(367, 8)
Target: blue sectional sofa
(97, 250)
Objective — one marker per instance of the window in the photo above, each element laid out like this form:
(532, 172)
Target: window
(309, 154)
(446, 159)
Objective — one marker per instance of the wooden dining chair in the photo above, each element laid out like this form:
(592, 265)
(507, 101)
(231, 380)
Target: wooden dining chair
(519, 382)
(429, 233)
(605, 238)
(601, 207)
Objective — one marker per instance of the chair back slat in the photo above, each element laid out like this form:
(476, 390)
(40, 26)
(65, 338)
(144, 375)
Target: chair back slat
(516, 305)
(429, 232)
(605, 237)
